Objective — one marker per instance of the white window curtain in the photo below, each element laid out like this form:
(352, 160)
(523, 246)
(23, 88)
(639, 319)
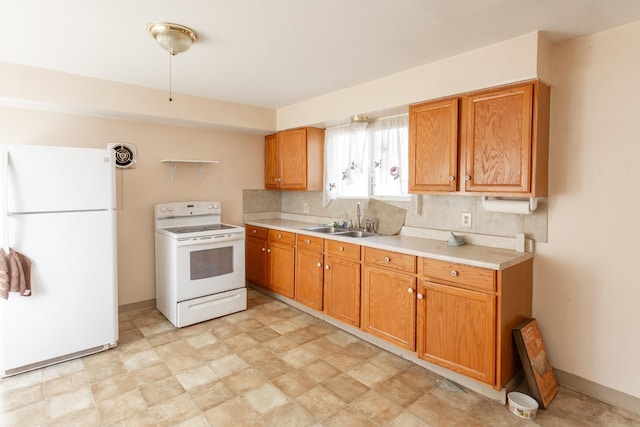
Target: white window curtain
(367, 162)
(389, 142)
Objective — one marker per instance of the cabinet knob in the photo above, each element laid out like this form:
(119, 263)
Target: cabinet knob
(341, 249)
(268, 250)
(279, 179)
(387, 259)
(420, 296)
(255, 231)
(452, 178)
(410, 290)
(264, 249)
(319, 264)
(467, 178)
(279, 236)
(307, 241)
(326, 267)
(454, 273)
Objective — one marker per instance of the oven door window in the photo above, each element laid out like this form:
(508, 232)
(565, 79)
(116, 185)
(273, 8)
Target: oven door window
(211, 262)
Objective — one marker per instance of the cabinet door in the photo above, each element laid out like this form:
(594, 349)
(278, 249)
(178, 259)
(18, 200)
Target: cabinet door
(309, 278)
(292, 150)
(433, 146)
(342, 289)
(256, 260)
(281, 269)
(271, 171)
(389, 306)
(456, 329)
(496, 136)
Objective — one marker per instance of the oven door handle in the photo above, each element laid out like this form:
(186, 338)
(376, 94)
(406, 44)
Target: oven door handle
(209, 239)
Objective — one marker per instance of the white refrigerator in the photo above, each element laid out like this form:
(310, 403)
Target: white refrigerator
(57, 207)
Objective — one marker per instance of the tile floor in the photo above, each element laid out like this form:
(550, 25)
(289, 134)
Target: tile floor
(271, 365)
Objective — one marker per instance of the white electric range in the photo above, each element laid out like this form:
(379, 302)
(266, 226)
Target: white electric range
(200, 263)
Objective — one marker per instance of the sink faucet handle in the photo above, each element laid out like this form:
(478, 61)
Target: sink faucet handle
(370, 225)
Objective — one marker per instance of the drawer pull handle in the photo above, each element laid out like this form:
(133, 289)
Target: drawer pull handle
(326, 267)
(387, 259)
(341, 249)
(454, 273)
(410, 290)
(319, 264)
(420, 296)
(307, 241)
(279, 236)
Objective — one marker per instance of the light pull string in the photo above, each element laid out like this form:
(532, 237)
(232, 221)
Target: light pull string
(170, 97)
(170, 55)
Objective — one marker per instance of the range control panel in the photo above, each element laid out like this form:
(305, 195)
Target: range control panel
(186, 209)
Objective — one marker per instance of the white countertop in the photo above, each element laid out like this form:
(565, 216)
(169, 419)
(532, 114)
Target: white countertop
(479, 256)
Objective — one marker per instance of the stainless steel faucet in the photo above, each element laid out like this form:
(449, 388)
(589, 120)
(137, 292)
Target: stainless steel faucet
(358, 215)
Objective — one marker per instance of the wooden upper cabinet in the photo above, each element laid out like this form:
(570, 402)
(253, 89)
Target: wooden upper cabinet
(271, 174)
(504, 140)
(490, 142)
(294, 159)
(433, 146)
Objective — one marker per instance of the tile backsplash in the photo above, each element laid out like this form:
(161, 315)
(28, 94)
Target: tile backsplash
(431, 212)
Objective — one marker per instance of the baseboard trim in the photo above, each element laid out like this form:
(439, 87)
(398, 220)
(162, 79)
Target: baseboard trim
(136, 306)
(608, 395)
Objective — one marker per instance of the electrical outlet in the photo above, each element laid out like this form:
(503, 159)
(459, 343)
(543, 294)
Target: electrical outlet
(465, 220)
(305, 207)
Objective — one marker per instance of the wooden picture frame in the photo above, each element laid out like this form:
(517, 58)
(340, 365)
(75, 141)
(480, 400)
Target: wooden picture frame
(535, 362)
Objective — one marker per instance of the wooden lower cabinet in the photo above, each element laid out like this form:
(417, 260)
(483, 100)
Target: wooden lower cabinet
(256, 255)
(309, 286)
(342, 284)
(389, 306)
(457, 329)
(281, 263)
(466, 314)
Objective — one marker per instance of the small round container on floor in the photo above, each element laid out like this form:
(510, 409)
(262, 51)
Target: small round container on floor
(522, 405)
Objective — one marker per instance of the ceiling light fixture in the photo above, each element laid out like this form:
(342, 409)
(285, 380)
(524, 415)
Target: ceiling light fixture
(174, 39)
(359, 122)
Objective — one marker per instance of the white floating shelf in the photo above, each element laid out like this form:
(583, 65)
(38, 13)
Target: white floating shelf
(174, 162)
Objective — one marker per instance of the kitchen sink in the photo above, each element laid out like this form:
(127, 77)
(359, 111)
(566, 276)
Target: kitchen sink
(325, 229)
(345, 232)
(357, 234)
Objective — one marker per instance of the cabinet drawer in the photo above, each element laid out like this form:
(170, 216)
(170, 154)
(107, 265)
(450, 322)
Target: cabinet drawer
(343, 250)
(309, 242)
(466, 276)
(283, 237)
(256, 232)
(387, 259)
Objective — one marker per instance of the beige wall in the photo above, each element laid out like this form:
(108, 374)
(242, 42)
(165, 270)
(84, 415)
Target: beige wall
(509, 61)
(586, 296)
(241, 166)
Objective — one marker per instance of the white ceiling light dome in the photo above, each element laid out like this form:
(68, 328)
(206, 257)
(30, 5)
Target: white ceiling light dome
(173, 38)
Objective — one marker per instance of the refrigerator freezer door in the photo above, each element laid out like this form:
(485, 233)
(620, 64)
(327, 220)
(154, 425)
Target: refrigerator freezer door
(73, 279)
(50, 179)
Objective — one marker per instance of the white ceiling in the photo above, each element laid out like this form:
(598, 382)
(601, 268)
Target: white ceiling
(274, 53)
